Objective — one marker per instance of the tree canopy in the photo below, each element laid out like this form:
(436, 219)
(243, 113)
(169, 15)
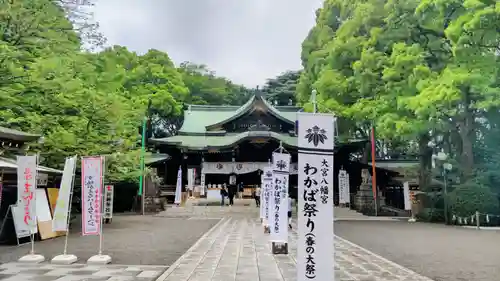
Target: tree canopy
(90, 103)
(420, 71)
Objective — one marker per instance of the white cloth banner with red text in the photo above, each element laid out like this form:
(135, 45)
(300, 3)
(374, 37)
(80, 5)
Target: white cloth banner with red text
(92, 175)
(26, 195)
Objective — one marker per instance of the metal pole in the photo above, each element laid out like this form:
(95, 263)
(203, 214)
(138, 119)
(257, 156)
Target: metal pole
(374, 171)
(143, 199)
(143, 150)
(445, 201)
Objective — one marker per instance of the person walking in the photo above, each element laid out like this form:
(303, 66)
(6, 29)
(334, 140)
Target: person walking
(223, 194)
(257, 196)
(231, 193)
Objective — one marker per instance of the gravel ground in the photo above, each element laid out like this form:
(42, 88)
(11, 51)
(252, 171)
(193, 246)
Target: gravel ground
(443, 253)
(131, 240)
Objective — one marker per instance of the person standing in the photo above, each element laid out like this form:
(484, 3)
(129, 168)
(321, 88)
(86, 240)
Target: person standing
(223, 194)
(257, 196)
(290, 206)
(231, 193)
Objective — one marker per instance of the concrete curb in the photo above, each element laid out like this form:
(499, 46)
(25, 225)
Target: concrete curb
(173, 266)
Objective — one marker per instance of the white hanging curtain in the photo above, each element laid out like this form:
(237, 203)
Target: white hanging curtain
(226, 168)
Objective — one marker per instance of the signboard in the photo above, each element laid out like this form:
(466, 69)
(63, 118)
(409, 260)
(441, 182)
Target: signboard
(22, 229)
(315, 251)
(60, 221)
(266, 191)
(26, 190)
(108, 202)
(344, 192)
(406, 196)
(92, 173)
(42, 179)
(278, 221)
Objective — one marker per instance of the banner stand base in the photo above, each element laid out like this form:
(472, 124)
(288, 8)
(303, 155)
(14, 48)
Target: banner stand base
(99, 259)
(412, 219)
(32, 259)
(64, 259)
(267, 230)
(279, 248)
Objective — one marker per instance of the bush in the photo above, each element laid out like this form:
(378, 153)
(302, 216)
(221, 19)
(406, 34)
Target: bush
(470, 197)
(431, 215)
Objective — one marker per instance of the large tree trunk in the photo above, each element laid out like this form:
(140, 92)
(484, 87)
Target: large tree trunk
(466, 131)
(425, 159)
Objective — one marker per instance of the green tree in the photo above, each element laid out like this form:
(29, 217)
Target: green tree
(282, 89)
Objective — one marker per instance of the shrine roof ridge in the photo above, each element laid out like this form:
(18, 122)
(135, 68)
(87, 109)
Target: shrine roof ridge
(203, 118)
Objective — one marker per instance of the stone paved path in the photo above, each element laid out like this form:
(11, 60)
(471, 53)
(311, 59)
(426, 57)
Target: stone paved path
(237, 250)
(78, 272)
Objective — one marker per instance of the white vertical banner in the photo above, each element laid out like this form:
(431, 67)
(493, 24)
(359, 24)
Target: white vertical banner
(190, 178)
(266, 191)
(262, 216)
(278, 221)
(344, 193)
(202, 184)
(406, 196)
(108, 202)
(26, 191)
(315, 250)
(178, 187)
(60, 220)
(92, 185)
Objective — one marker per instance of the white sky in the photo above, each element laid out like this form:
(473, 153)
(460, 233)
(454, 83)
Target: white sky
(246, 41)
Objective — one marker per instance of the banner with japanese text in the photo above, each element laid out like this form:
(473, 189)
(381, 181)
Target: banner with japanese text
(261, 207)
(92, 175)
(278, 220)
(178, 188)
(26, 187)
(344, 192)
(266, 192)
(108, 202)
(60, 219)
(202, 184)
(315, 250)
(406, 196)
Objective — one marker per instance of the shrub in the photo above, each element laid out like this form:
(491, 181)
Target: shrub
(471, 196)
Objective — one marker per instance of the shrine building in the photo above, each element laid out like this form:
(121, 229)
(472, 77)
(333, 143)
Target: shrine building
(220, 141)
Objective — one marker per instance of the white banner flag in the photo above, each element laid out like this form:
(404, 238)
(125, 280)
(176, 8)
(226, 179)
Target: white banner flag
(344, 193)
(261, 194)
(60, 220)
(202, 184)
(26, 187)
(178, 187)
(266, 191)
(315, 250)
(92, 175)
(406, 196)
(190, 178)
(278, 221)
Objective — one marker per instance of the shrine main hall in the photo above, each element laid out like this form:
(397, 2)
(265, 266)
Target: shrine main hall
(223, 142)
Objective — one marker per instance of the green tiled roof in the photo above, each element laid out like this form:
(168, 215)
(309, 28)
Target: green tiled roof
(198, 117)
(17, 135)
(201, 142)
